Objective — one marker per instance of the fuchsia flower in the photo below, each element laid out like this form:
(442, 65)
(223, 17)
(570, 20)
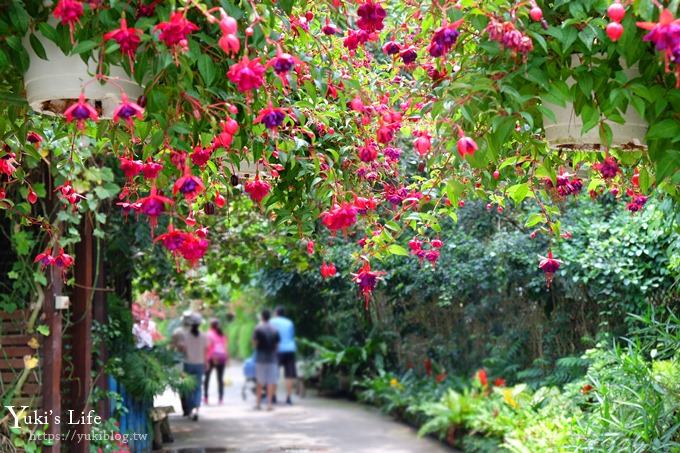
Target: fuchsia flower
(63, 261)
(172, 240)
(355, 38)
(81, 111)
(609, 168)
(371, 16)
(8, 164)
(229, 41)
(340, 217)
(422, 143)
(368, 152)
(367, 280)
(443, 39)
(34, 138)
(549, 265)
(175, 31)
(466, 145)
(385, 134)
(229, 44)
(328, 270)
(271, 117)
(153, 206)
(257, 189)
(329, 29)
(247, 74)
(127, 110)
(310, 247)
(127, 38)
(200, 156)
(190, 186)
(131, 167)
(391, 48)
(69, 13)
(45, 259)
(151, 169)
(363, 205)
(193, 248)
(665, 34)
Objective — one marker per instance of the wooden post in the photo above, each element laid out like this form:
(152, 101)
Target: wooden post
(51, 347)
(100, 314)
(51, 366)
(81, 334)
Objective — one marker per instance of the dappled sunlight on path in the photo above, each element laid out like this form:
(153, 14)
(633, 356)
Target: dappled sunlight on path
(312, 425)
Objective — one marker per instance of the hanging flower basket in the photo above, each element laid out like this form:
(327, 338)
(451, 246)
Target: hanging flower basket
(53, 84)
(565, 132)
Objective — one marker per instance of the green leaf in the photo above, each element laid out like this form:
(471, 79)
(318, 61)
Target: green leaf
(43, 330)
(534, 219)
(667, 128)
(83, 47)
(37, 46)
(206, 67)
(48, 31)
(518, 192)
(590, 117)
(396, 249)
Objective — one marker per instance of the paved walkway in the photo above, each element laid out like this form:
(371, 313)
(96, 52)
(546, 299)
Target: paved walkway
(312, 424)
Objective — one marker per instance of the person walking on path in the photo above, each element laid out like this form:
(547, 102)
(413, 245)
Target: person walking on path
(191, 342)
(217, 357)
(286, 350)
(265, 340)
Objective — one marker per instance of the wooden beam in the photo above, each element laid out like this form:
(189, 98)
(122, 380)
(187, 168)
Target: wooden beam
(81, 333)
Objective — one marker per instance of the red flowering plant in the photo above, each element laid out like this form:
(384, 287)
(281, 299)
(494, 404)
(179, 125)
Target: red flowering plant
(374, 118)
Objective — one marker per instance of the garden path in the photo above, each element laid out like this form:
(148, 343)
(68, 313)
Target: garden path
(313, 424)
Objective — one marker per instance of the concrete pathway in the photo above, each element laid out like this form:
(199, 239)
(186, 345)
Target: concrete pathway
(312, 424)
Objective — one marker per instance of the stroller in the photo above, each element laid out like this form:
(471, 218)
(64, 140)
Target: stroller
(249, 374)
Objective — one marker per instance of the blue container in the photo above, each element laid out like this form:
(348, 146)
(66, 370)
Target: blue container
(136, 421)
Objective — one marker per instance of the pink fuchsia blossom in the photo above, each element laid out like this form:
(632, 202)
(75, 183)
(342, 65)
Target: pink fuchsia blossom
(128, 38)
(371, 16)
(340, 217)
(271, 117)
(230, 44)
(247, 74)
(366, 280)
(153, 206)
(151, 169)
(8, 164)
(131, 167)
(81, 111)
(172, 240)
(422, 143)
(328, 270)
(45, 259)
(69, 13)
(549, 266)
(175, 31)
(257, 189)
(34, 138)
(193, 248)
(466, 145)
(127, 110)
(189, 185)
(200, 156)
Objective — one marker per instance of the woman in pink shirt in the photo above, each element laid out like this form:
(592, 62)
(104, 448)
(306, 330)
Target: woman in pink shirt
(217, 356)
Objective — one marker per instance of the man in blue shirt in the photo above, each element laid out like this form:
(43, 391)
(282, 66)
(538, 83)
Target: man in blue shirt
(286, 349)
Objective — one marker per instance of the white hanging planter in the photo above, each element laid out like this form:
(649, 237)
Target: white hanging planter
(247, 170)
(565, 131)
(54, 84)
